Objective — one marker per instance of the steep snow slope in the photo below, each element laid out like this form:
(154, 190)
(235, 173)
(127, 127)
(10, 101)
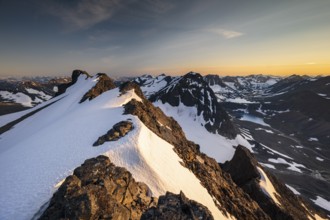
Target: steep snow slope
(214, 145)
(43, 149)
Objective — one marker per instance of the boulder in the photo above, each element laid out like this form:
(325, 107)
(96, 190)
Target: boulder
(116, 132)
(177, 207)
(99, 190)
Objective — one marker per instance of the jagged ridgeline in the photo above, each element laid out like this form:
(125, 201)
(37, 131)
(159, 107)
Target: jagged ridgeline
(148, 169)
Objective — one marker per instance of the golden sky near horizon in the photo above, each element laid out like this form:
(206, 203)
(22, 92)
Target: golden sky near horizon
(282, 37)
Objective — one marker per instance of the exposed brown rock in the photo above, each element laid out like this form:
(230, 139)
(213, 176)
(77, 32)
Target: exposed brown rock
(99, 190)
(116, 132)
(104, 84)
(129, 86)
(231, 198)
(243, 170)
(177, 207)
(242, 167)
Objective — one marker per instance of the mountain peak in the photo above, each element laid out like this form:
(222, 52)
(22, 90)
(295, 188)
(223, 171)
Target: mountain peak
(192, 75)
(104, 83)
(76, 73)
(193, 92)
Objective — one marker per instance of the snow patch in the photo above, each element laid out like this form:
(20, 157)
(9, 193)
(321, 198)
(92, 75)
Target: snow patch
(292, 166)
(267, 186)
(323, 203)
(19, 97)
(55, 89)
(254, 119)
(262, 129)
(271, 166)
(293, 189)
(319, 158)
(276, 152)
(40, 93)
(313, 139)
(239, 100)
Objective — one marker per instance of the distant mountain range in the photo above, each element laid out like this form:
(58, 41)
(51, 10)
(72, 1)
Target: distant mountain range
(182, 147)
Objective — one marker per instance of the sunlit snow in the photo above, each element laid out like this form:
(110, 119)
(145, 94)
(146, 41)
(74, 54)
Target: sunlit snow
(267, 186)
(39, 152)
(322, 202)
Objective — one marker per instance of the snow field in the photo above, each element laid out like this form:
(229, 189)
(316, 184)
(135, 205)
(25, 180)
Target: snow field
(214, 145)
(19, 97)
(45, 148)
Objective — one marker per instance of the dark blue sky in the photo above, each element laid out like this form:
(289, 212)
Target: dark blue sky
(126, 37)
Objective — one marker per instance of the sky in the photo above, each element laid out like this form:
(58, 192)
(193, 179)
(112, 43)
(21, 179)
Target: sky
(134, 37)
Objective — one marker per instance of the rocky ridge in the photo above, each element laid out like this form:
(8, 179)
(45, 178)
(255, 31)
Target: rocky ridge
(90, 200)
(243, 169)
(99, 190)
(192, 91)
(229, 199)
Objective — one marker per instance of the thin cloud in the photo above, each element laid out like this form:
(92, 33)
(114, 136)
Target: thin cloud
(86, 13)
(159, 6)
(228, 34)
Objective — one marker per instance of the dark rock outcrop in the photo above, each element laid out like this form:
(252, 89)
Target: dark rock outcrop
(242, 167)
(129, 86)
(214, 80)
(244, 172)
(116, 132)
(177, 207)
(99, 190)
(74, 77)
(191, 90)
(231, 199)
(103, 84)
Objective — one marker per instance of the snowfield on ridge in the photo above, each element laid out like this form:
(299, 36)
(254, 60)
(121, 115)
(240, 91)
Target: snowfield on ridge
(44, 149)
